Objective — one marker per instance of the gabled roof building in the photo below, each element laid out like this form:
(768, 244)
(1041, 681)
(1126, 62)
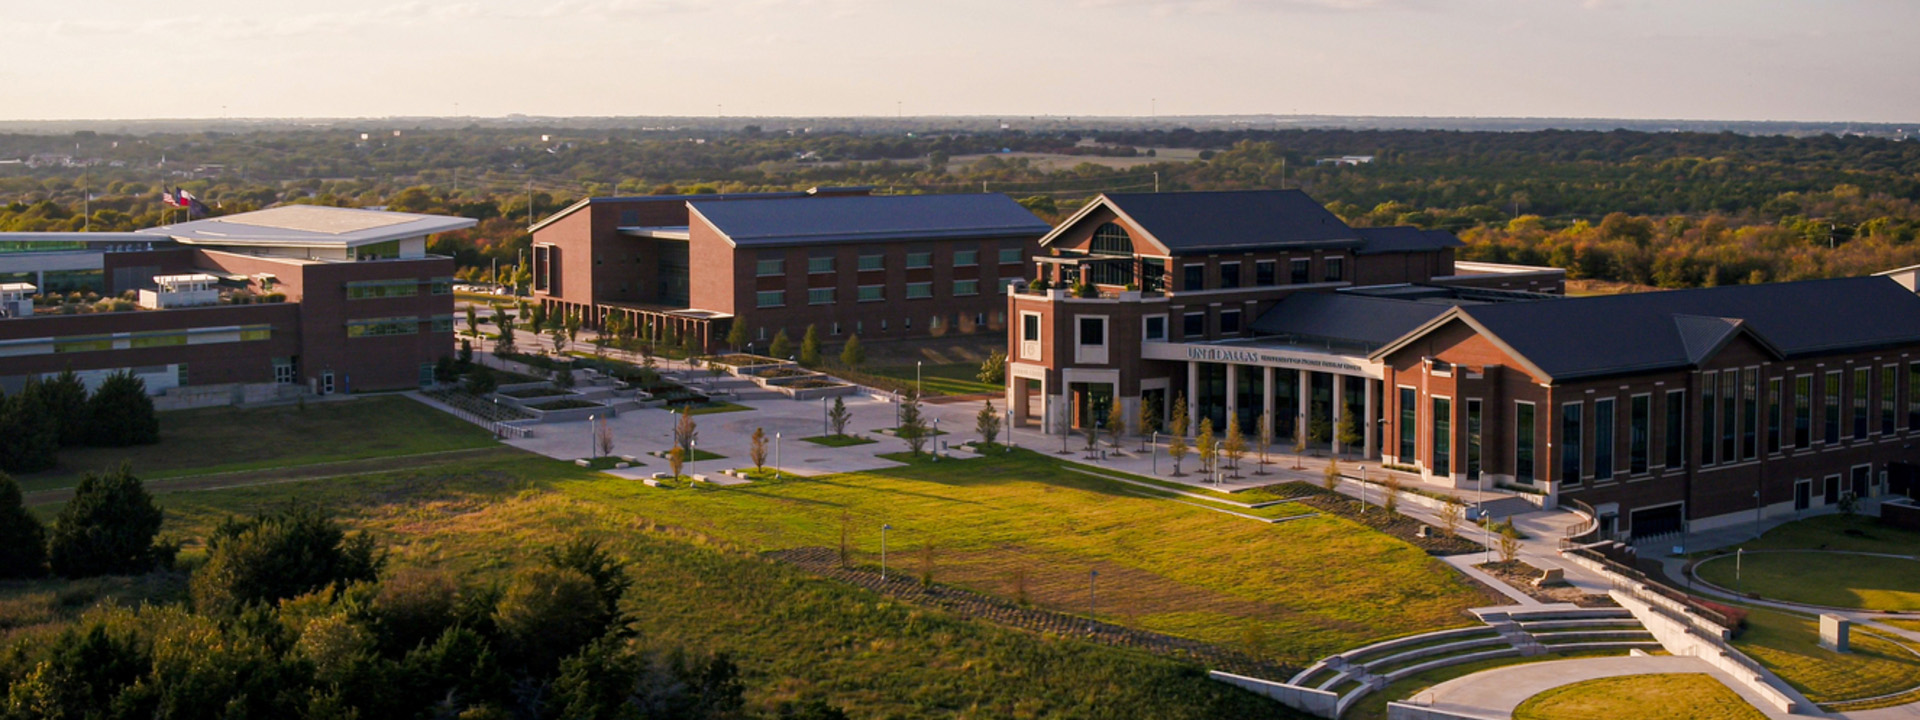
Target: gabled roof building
(1662, 411)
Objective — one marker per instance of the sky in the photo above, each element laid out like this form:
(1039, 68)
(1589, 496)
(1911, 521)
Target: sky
(1825, 60)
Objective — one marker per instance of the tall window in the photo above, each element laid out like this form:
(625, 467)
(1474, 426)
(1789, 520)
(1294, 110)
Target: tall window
(1153, 274)
(1833, 407)
(1523, 443)
(1195, 277)
(1301, 271)
(1889, 397)
(1093, 331)
(1408, 417)
(1803, 411)
(1030, 328)
(1639, 423)
(1862, 405)
(1229, 322)
(1776, 415)
(1442, 436)
(1749, 412)
(1729, 414)
(1230, 275)
(1334, 269)
(1263, 273)
(1603, 426)
(1709, 411)
(1193, 324)
(1676, 429)
(1473, 439)
(1570, 443)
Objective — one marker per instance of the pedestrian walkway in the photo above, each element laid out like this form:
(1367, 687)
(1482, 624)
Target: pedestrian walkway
(1496, 693)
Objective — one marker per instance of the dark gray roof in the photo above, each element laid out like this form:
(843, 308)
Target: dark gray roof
(1194, 222)
(869, 218)
(1615, 334)
(1341, 317)
(1404, 239)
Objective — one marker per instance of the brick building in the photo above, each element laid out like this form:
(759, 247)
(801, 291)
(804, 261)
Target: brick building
(332, 299)
(1662, 411)
(840, 259)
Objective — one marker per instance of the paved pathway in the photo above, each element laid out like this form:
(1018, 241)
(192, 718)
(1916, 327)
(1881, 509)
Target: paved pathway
(1495, 693)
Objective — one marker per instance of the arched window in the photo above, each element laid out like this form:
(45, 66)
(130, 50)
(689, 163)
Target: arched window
(1110, 240)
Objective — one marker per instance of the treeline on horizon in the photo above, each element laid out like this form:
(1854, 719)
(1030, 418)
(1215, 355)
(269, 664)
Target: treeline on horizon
(1665, 209)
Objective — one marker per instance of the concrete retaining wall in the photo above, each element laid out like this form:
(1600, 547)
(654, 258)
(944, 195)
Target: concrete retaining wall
(1679, 638)
(1308, 700)
(198, 396)
(1404, 711)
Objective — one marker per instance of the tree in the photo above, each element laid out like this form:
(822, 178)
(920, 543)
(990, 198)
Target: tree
(1209, 452)
(1392, 502)
(1318, 429)
(810, 347)
(1451, 513)
(473, 320)
(546, 614)
(603, 437)
(736, 335)
(1331, 478)
(559, 338)
(23, 540)
(852, 354)
(676, 458)
(1116, 422)
(781, 347)
(690, 344)
(685, 431)
(106, 529)
(1181, 413)
(758, 452)
(1509, 547)
(1265, 440)
(29, 441)
(121, 414)
(279, 555)
(987, 423)
(63, 399)
(839, 416)
(1349, 431)
(481, 380)
(913, 427)
(572, 324)
(1176, 449)
(504, 346)
(613, 331)
(1149, 423)
(1234, 446)
(993, 370)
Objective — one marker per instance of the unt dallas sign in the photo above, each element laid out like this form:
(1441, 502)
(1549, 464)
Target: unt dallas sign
(1264, 357)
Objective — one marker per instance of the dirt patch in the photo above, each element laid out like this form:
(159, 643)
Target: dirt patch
(826, 562)
(1400, 526)
(1520, 575)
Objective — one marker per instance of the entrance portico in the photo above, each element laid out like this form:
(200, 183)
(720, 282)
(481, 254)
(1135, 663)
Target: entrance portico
(1303, 391)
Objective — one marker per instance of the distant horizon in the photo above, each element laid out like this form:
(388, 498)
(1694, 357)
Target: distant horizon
(1813, 60)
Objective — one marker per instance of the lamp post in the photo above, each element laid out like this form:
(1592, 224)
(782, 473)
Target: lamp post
(883, 551)
(776, 455)
(590, 428)
(916, 377)
(1009, 430)
(825, 424)
(936, 438)
(1153, 441)
(693, 453)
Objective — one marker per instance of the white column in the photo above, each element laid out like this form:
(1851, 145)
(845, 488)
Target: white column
(1369, 417)
(1339, 409)
(1302, 392)
(1233, 395)
(1193, 397)
(1266, 399)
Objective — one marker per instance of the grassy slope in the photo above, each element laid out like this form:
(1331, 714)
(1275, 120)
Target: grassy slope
(794, 634)
(212, 440)
(1295, 591)
(1857, 581)
(1677, 697)
(1790, 646)
(937, 379)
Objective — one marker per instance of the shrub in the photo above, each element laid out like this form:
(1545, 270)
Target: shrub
(482, 381)
(810, 347)
(271, 557)
(23, 540)
(413, 607)
(64, 400)
(120, 413)
(852, 354)
(108, 528)
(993, 369)
(546, 614)
(29, 441)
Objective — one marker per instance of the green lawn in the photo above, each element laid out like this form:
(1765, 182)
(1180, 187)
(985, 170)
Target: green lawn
(941, 379)
(1672, 697)
(1789, 645)
(210, 440)
(841, 440)
(1302, 589)
(1830, 579)
(1856, 533)
(794, 635)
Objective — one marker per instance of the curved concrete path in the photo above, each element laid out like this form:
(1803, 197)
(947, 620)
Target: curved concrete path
(1495, 693)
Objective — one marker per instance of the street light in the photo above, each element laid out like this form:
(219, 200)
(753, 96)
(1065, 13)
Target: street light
(1009, 430)
(693, 453)
(1153, 440)
(591, 450)
(883, 551)
(825, 426)
(916, 377)
(776, 455)
(936, 438)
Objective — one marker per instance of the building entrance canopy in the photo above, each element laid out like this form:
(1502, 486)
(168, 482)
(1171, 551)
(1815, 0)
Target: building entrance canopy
(1292, 357)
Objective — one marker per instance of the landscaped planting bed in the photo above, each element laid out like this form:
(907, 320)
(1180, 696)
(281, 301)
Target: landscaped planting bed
(538, 392)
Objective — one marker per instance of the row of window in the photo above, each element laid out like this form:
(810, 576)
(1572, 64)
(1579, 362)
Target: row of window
(1300, 272)
(157, 338)
(937, 323)
(377, 327)
(370, 289)
(776, 264)
(871, 293)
